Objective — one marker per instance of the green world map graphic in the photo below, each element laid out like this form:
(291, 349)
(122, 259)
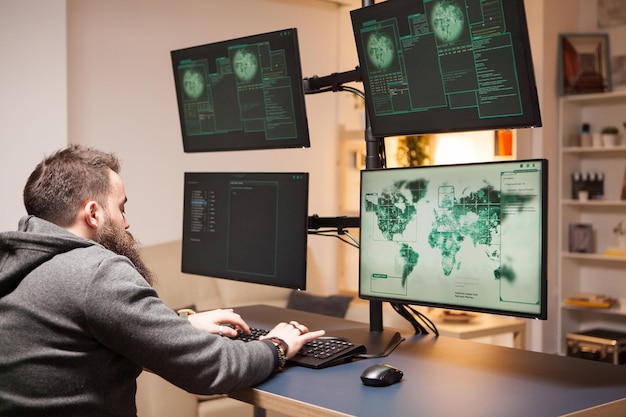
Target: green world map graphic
(475, 215)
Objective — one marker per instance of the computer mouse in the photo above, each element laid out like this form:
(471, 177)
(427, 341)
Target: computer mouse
(381, 375)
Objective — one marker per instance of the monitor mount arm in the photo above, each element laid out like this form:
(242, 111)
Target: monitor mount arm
(339, 223)
(332, 82)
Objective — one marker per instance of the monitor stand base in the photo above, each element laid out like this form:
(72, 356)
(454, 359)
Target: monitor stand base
(377, 343)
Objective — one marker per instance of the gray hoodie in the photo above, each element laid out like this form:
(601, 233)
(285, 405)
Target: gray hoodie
(78, 323)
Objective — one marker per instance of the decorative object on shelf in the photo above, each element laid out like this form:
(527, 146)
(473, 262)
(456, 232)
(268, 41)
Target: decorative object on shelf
(580, 238)
(609, 135)
(619, 229)
(596, 186)
(620, 233)
(615, 251)
(618, 71)
(584, 63)
(578, 185)
(587, 186)
(414, 151)
(596, 139)
(585, 135)
(503, 143)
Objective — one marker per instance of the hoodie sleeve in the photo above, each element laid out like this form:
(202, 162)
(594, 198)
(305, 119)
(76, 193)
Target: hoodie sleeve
(125, 314)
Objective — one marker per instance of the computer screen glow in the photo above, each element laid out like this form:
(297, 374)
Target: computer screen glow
(240, 94)
(469, 237)
(434, 66)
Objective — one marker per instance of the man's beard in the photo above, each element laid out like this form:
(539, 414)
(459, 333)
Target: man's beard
(123, 243)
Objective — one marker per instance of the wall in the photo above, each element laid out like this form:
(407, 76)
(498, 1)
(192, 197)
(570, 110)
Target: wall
(33, 104)
(122, 99)
(589, 24)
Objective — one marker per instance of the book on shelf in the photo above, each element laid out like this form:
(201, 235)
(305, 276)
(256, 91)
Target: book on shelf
(590, 300)
(615, 251)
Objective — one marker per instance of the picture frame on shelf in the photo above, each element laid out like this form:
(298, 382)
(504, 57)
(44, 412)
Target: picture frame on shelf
(580, 238)
(584, 63)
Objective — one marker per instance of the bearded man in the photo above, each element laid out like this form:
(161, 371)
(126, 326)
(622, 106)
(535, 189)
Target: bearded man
(79, 318)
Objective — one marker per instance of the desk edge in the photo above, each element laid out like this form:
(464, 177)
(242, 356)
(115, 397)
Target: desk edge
(284, 405)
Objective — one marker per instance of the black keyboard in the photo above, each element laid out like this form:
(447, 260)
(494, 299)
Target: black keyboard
(319, 353)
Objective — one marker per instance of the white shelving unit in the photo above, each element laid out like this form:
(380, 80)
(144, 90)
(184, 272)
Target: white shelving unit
(591, 272)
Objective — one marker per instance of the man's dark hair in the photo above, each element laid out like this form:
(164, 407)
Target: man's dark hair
(62, 182)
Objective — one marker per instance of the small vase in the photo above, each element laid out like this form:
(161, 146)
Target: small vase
(609, 139)
(621, 241)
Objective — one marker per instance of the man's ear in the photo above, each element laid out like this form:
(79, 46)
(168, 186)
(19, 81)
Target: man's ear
(93, 214)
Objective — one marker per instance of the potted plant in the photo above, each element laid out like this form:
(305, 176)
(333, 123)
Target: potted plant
(620, 232)
(609, 135)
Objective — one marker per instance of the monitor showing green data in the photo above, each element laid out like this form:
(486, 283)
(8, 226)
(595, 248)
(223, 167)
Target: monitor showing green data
(468, 237)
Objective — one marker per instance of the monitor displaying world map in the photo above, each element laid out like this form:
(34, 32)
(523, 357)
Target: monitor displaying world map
(468, 237)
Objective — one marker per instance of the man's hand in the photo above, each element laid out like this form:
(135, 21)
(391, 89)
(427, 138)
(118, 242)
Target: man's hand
(294, 334)
(224, 322)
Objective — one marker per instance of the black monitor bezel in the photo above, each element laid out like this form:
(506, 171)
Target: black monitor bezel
(239, 140)
(295, 247)
(452, 120)
(542, 314)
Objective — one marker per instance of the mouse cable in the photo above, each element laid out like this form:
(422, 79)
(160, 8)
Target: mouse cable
(412, 316)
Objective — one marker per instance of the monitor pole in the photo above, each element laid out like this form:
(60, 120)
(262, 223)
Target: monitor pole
(378, 341)
(373, 160)
(381, 341)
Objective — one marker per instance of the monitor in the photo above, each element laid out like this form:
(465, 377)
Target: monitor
(436, 66)
(467, 237)
(240, 94)
(248, 227)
